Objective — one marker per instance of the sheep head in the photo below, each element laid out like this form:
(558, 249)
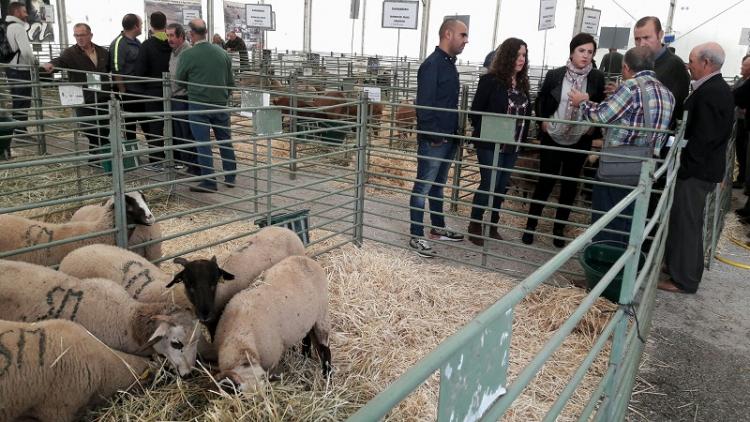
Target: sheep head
(200, 278)
(247, 377)
(137, 210)
(176, 338)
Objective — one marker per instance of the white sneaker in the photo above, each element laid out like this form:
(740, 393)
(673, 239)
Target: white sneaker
(421, 247)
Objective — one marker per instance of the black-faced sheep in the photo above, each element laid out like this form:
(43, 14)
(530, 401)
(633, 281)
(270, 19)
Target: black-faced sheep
(289, 304)
(51, 371)
(201, 277)
(19, 232)
(31, 292)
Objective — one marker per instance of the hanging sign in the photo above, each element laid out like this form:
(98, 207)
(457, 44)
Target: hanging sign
(71, 95)
(590, 21)
(400, 14)
(547, 10)
(259, 16)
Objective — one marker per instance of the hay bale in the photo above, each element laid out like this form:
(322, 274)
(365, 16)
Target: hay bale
(388, 310)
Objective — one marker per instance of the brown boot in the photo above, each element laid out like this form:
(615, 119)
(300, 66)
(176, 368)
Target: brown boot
(475, 228)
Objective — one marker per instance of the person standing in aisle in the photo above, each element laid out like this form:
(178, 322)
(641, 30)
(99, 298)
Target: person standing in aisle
(437, 86)
(504, 90)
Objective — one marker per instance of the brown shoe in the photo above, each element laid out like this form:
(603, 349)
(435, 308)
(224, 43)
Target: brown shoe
(669, 286)
(475, 229)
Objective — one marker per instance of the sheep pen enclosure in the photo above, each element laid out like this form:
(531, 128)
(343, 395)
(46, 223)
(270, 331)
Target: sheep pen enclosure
(389, 309)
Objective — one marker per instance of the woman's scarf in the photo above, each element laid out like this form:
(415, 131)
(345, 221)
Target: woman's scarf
(576, 77)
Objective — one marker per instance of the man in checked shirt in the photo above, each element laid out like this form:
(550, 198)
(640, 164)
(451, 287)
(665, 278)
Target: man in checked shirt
(626, 107)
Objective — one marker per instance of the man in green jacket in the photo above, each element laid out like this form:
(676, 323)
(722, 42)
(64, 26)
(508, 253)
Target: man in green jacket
(207, 64)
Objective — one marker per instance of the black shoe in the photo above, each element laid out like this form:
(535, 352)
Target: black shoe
(559, 240)
(203, 189)
(742, 212)
(230, 183)
(738, 184)
(527, 238)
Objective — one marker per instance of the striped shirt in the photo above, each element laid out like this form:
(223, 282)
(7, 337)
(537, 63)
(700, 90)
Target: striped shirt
(625, 107)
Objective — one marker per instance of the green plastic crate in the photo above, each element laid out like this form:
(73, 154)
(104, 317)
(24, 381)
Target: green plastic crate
(128, 162)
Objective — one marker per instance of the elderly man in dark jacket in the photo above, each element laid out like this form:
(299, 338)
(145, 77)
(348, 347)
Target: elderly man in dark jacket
(702, 165)
(89, 63)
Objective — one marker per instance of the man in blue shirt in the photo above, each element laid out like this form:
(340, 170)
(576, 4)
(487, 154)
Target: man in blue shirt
(437, 86)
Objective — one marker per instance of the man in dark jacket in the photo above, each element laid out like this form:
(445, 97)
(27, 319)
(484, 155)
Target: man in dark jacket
(612, 63)
(669, 68)
(123, 54)
(153, 60)
(702, 165)
(92, 63)
(237, 44)
(437, 86)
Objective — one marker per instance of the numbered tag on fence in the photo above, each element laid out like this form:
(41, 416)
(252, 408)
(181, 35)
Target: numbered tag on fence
(373, 93)
(94, 81)
(71, 95)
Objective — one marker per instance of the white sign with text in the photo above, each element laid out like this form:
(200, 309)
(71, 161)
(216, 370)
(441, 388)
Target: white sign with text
(590, 21)
(71, 95)
(547, 9)
(259, 16)
(400, 14)
(745, 36)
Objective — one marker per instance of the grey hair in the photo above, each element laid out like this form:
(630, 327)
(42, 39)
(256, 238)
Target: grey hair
(639, 59)
(713, 53)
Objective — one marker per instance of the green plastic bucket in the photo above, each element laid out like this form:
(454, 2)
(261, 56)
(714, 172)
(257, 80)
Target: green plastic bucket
(597, 258)
(295, 221)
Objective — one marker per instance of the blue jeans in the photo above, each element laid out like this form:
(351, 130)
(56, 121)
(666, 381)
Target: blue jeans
(200, 125)
(431, 175)
(181, 134)
(603, 198)
(505, 160)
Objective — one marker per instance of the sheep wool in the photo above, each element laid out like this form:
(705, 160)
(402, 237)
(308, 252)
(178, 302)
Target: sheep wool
(289, 302)
(143, 280)
(262, 250)
(31, 292)
(51, 371)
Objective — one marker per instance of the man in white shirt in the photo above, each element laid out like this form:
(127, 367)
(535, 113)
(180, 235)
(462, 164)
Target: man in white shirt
(19, 70)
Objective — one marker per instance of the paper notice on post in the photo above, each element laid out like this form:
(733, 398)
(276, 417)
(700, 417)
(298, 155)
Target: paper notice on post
(373, 93)
(71, 95)
(94, 81)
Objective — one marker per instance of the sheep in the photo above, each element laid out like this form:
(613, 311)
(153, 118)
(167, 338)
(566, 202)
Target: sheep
(53, 370)
(262, 250)
(31, 292)
(138, 213)
(19, 232)
(289, 305)
(143, 280)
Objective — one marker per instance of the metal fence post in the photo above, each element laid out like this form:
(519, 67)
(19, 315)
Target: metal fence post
(118, 173)
(292, 127)
(36, 95)
(362, 149)
(167, 132)
(620, 348)
(462, 115)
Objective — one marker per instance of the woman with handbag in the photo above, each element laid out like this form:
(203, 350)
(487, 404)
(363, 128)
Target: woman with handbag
(504, 90)
(552, 101)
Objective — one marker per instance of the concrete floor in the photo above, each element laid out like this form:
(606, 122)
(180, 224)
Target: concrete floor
(696, 365)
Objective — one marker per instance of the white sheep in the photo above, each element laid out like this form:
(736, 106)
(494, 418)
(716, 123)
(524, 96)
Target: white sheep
(201, 277)
(19, 232)
(289, 304)
(31, 292)
(54, 370)
(143, 280)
